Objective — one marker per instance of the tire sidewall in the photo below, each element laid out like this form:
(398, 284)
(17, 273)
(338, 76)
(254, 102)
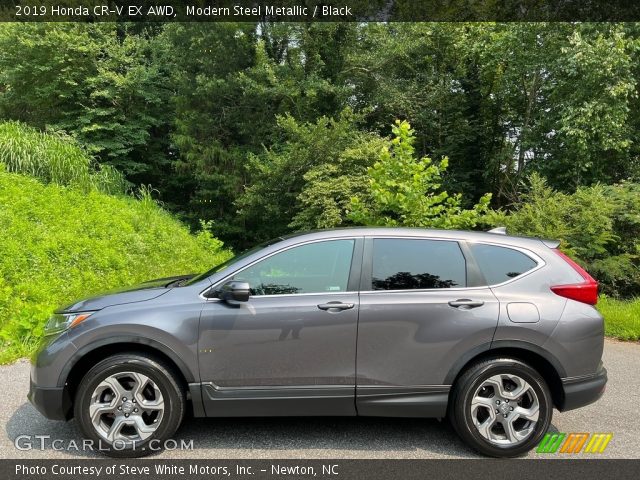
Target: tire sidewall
(465, 425)
(172, 396)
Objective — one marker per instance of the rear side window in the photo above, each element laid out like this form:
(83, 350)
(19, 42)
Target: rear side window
(499, 264)
(406, 264)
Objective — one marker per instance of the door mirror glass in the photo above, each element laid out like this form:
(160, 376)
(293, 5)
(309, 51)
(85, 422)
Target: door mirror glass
(234, 292)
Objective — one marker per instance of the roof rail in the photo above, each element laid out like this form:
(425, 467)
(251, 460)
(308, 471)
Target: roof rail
(499, 230)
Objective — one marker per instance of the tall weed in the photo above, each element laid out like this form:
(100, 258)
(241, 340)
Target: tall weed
(54, 157)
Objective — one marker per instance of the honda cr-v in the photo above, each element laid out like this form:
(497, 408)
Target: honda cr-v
(490, 330)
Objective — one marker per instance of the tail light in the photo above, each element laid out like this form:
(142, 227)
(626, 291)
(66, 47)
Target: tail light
(585, 292)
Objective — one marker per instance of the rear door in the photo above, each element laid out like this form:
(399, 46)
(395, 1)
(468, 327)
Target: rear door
(422, 308)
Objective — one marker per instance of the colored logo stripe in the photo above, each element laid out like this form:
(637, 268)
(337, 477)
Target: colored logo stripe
(574, 443)
(598, 442)
(550, 443)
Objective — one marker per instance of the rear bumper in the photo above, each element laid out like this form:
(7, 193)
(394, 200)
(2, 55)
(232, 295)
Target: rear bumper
(581, 391)
(53, 403)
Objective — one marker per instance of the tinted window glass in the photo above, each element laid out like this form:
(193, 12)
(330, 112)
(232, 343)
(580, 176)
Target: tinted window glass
(499, 264)
(311, 268)
(400, 264)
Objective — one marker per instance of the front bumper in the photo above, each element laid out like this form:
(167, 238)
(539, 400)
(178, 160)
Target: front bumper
(54, 403)
(46, 390)
(580, 391)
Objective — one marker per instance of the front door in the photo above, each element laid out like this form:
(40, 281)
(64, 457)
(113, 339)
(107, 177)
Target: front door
(289, 350)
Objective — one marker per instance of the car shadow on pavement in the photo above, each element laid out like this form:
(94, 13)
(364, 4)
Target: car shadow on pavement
(272, 437)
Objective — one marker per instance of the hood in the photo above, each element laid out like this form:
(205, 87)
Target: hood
(138, 293)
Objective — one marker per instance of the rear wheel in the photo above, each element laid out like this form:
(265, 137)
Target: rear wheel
(129, 404)
(501, 407)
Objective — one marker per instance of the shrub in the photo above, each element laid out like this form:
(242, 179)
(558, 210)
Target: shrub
(598, 225)
(59, 243)
(406, 191)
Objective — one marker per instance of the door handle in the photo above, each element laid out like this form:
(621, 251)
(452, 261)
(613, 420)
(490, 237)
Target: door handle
(465, 303)
(336, 306)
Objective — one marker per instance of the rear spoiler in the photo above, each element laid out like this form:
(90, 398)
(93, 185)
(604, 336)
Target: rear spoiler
(547, 242)
(550, 243)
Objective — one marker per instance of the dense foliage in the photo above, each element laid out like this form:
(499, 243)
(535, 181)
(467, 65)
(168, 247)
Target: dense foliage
(55, 158)
(60, 243)
(406, 192)
(307, 182)
(262, 129)
(195, 109)
(598, 225)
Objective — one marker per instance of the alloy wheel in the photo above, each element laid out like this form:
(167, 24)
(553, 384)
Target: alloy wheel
(505, 409)
(126, 407)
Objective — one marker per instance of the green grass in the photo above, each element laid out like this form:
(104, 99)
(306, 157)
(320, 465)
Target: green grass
(55, 158)
(621, 318)
(60, 243)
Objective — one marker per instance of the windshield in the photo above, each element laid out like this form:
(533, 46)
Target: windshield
(234, 259)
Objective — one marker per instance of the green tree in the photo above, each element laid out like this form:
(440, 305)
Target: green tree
(306, 181)
(427, 74)
(405, 191)
(97, 83)
(503, 100)
(558, 97)
(229, 98)
(590, 109)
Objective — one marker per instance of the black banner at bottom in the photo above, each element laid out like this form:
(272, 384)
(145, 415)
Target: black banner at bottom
(521, 469)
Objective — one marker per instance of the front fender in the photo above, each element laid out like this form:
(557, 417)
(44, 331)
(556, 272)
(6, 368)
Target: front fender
(170, 327)
(187, 372)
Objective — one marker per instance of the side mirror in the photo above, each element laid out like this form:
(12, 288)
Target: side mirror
(234, 292)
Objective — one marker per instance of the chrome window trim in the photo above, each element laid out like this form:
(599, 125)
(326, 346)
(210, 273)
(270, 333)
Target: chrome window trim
(317, 240)
(540, 264)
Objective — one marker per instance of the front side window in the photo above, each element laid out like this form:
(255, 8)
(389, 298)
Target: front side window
(499, 264)
(311, 268)
(406, 264)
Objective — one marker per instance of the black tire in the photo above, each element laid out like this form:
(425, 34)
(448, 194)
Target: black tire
(471, 380)
(159, 373)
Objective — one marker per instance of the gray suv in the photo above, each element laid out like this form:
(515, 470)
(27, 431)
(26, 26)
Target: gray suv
(490, 330)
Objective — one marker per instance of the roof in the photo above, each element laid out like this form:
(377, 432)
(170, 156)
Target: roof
(468, 235)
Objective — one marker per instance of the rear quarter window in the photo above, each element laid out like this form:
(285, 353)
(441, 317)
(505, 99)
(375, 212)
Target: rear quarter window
(499, 264)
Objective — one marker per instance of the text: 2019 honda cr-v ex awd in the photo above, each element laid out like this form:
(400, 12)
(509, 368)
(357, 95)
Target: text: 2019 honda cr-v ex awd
(490, 330)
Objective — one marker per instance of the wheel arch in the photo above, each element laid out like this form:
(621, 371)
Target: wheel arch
(90, 354)
(542, 361)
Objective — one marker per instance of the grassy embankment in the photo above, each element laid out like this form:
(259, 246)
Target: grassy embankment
(68, 229)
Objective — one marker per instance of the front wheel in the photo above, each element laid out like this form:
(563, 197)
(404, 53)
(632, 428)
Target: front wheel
(129, 405)
(501, 407)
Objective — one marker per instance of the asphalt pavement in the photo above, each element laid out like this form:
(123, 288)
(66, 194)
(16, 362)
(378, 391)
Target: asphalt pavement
(617, 412)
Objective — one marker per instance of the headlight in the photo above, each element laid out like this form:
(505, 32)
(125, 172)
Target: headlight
(59, 322)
